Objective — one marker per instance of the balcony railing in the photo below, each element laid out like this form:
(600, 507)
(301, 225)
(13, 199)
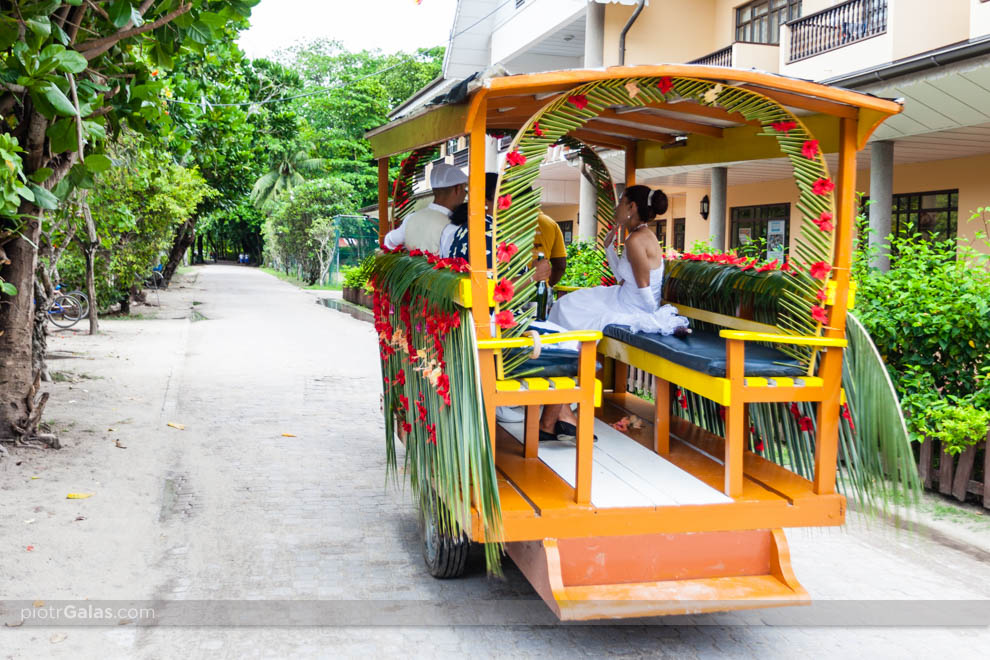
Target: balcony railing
(718, 58)
(836, 27)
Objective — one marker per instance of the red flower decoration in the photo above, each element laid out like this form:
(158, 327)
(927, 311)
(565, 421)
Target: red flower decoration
(806, 424)
(786, 267)
(844, 412)
(822, 295)
(415, 253)
(758, 446)
(431, 429)
(819, 270)
(784, 126)
(818, 313)
(809, 149)
(822, 186)
(824, 221)
(795, 413)
(748, 265)
(400, 377)
(504, 202)
(505, 319)
(684, 403)
(406, 427)
(765, 267)
(506, 251)
(579, 101)
(404, 402)
(504, 291)
(665, 84)
(514, 158)
(537, 131)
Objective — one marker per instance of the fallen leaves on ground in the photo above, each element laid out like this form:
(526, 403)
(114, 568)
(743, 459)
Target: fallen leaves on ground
(78, 496)
(176, 425)
(288, 435)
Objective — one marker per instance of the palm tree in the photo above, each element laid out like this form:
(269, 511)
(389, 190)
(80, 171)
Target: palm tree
(287, 172)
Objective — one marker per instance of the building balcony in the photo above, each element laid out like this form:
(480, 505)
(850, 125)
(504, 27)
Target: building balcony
(860, 34)
(744, 55)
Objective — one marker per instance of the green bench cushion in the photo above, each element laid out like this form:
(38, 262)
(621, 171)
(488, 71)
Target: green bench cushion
(704, 351)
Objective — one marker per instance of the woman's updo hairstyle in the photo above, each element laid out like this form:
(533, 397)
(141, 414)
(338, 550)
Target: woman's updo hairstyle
(459, 216)
(649, 203)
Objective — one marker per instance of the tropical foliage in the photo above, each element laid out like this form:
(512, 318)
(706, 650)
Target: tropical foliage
(930, 317)
(432, 393)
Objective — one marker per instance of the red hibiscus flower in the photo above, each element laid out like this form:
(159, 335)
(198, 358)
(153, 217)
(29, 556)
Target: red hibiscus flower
(404, 402)
(400, 377)
(579, 101)
(824, 221)
(758, 446)
(514, 158)
(822, 186)
(822, 295)
(784, 126)
(537, 131)
(818, 313)
(844, 412)
(406, 427)
(504, 291)
(786, 267)
(431, 429)
(504, 202)
(819, 270)
(506, 251)
(684, 403)
(765, 267)
(505, 319)
(795, 413)
(809, 149)
(415, 253)
(806, 424)
(748, 265)
(422, 411)
(665, 84)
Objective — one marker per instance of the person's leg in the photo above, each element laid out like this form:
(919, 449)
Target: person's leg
(548, 420)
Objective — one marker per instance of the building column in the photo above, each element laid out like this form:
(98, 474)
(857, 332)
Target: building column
(717, 208)
(594, 48)
(881, 200)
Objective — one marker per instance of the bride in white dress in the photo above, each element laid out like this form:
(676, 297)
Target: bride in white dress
(640, 273)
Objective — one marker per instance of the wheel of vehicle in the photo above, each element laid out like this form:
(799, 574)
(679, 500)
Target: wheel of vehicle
(65, 311)
(445, 555)
(156, 280)
(83, 302)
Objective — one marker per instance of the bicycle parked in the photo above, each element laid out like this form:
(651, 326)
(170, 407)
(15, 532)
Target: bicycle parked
(66, 310)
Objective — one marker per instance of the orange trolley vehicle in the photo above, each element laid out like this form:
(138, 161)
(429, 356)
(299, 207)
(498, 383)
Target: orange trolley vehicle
(679, 505)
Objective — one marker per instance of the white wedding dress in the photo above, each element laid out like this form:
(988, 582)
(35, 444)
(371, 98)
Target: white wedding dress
(597, 307)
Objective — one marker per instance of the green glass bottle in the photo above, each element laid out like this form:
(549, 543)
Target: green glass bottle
(542, 296)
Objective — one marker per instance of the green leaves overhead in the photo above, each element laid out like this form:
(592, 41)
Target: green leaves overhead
(97, 163)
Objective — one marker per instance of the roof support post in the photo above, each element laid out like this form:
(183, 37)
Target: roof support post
(384, 223)
(594, 35)
(827, 422)
(476, 222)
(881, 200)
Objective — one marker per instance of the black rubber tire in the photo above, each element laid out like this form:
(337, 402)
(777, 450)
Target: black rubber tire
(64, 311)
(445, 555)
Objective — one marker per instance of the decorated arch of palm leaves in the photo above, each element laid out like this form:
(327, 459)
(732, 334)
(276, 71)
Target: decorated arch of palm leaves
(790, 295)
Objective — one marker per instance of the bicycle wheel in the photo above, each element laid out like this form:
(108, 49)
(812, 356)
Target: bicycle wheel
(64, 311)
(84, 303)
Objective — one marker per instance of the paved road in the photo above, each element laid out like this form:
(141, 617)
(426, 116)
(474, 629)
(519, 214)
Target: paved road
(240, 512)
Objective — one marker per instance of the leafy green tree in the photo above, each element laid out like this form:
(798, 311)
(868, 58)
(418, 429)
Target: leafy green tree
(288, 169)
(73, 71)
(289, 236)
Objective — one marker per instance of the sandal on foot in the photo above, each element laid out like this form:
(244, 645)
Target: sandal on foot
(566, 428)
(546, 436)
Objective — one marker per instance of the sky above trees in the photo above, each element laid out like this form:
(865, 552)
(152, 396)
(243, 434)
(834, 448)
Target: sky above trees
(389, 25)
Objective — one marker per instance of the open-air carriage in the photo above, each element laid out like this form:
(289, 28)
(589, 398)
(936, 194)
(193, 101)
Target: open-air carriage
(681, 514)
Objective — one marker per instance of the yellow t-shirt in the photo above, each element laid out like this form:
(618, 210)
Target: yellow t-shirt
(549, 238)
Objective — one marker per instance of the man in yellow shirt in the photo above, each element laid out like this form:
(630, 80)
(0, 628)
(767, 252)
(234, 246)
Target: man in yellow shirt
(549, 240)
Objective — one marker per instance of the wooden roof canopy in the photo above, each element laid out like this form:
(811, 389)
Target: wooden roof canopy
(714, 135)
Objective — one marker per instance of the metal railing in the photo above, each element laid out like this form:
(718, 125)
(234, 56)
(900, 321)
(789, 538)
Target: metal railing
(721, 57)
(836, 27)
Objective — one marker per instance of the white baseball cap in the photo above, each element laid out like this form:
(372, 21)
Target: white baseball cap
(446, 176)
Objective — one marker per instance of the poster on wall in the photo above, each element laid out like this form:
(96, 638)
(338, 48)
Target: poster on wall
(745, 235)
(775, 240)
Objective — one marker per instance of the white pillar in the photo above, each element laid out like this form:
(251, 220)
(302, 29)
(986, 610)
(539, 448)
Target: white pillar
(594, 48)
(717, 207)
(881, 200)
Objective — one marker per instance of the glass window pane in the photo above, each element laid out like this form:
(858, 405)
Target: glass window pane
(928, 201)
(942, 200)
(743, 15)
(761, 9)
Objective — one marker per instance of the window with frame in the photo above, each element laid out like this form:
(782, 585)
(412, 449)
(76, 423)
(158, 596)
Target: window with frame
(678, 238)
(759, 21)
(769, 223)
(933, 214)
(662, 232)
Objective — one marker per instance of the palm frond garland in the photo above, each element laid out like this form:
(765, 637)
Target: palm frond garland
(402, 188)
(876, 464)
(517, 209)
(432, 394)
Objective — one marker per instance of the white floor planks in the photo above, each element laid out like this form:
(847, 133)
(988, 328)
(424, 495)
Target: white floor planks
(624, 473)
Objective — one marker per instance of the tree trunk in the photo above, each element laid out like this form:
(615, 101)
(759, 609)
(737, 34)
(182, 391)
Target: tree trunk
(184, 237)
(17, 362)
(94, 323)
(91, 245)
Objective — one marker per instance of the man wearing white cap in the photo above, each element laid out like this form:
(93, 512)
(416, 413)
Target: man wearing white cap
(422, 230)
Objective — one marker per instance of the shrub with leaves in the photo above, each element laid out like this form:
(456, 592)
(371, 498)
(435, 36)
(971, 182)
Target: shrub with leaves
(583, 265)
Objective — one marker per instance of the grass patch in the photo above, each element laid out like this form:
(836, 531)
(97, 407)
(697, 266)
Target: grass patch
(295, 281)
